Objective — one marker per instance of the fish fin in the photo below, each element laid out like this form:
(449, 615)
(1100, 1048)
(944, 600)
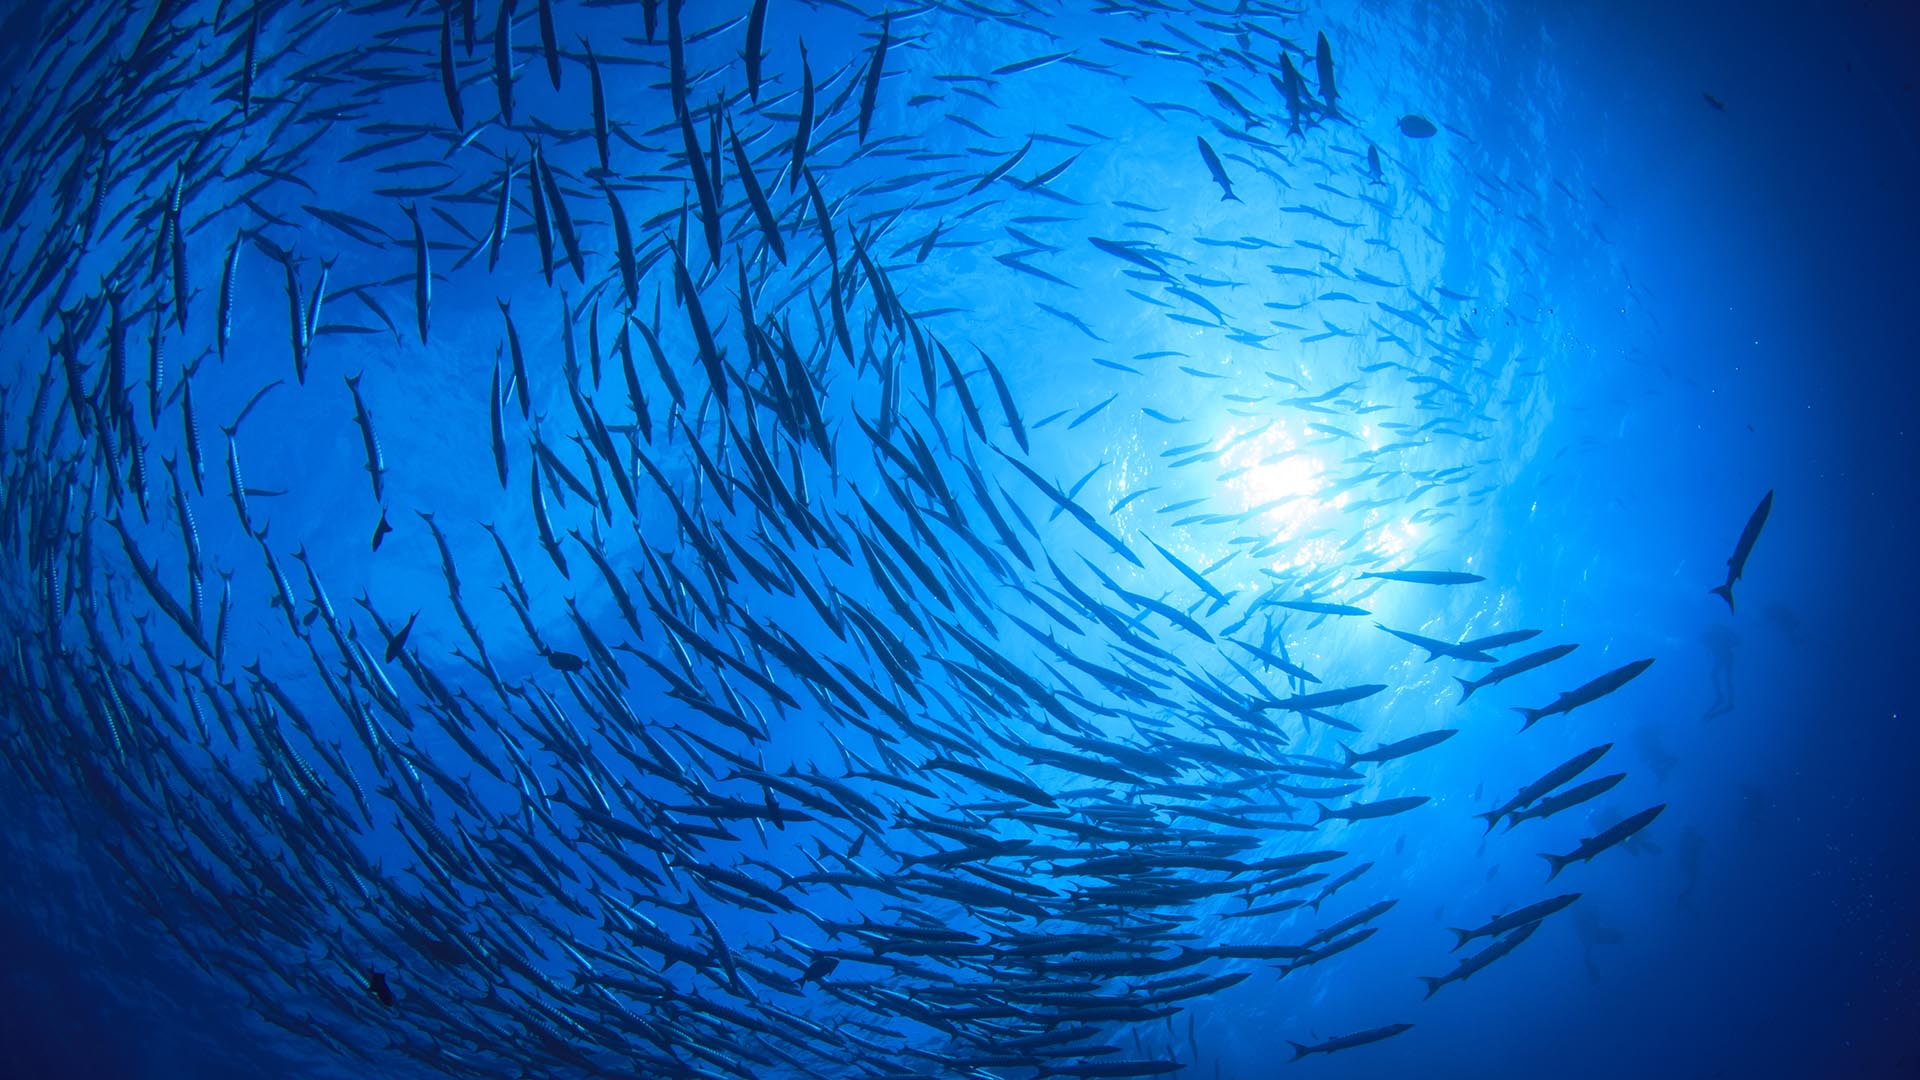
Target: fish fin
(1531, 716)
(1464, 936)
(1434, 983)
(1324, 816)
(1299, 1051)
(1724, 592)
(1492, 818)
(1351, 756)
(1466, 688)
(1558, 862)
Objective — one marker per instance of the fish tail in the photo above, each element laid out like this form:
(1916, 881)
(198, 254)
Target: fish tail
(1724, 592)
(1466, 688)
(1299, 1051)
(1530, 716)
(1351, 756)
(1434, 983)
(1324, 815)
(1492, 818)
(1229, 197)
(1558, 862)
(1464, 936)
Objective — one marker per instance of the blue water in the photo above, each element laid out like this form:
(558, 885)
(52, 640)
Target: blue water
(1662, 308)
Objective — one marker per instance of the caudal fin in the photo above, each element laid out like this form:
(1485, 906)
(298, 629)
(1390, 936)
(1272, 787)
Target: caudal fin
(1558, 862)
(1492, 818)
(1724, 592)
(1434, 983)
(1529, 717)
(1324, 816)
(1466, 688)
(1464, 936)
(1299, 1051)
(1351, 756)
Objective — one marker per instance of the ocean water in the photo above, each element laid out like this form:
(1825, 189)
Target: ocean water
(908, 686)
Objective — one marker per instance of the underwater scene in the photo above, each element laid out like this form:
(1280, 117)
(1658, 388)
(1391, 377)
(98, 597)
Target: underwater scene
(999, 539)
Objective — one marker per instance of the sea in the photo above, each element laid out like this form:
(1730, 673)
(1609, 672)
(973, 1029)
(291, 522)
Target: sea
(991, 539)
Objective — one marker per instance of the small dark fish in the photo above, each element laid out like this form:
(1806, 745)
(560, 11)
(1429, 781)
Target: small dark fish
(1737, 564)
(564, 661)
(377, 986)
(399, 641)
(821, 967)
(1417, 127)
(381, 530)
(1714, 101)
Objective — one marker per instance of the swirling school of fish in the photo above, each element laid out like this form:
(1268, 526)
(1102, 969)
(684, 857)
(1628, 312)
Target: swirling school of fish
(837, 730)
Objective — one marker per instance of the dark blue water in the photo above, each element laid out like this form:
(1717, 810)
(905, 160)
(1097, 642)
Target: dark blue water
(1651, 265)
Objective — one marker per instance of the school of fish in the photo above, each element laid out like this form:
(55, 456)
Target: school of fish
(555, 538)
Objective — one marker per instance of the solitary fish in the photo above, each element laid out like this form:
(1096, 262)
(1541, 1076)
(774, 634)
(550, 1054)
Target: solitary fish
(1417, 127)
(1737, 565)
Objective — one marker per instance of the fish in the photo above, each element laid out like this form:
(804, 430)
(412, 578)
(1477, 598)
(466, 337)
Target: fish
(1348, 1042)
(1586, 693)
(1323, 67)
(1325, 699)
(1514, 920)
(422, 275)
(845, 729)
(1478, 962)
(870, 87)
(1413, 744)
(1425, 577)
(756, 35)
(449, 77)
(803, 124)
(1573, 796)
(1737, 563)
(1438, 649)
(1218, 170)
(503, 60)
(376, 986)
(1602, 841)
(1417, 127)
(1367, 810)
(1553, 778)
(397, 641)
(1514, 667)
